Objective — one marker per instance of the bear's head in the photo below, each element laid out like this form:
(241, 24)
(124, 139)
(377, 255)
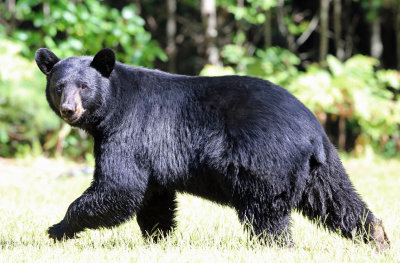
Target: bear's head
(77, 86)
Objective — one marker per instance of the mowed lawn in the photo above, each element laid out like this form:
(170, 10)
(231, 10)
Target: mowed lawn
(35, 194)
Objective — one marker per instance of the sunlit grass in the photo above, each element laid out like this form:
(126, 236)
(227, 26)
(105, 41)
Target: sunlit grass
(35, 194)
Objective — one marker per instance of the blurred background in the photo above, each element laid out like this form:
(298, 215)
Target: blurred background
(339, 57)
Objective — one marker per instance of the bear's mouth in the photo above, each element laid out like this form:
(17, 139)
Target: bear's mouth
(71, 119)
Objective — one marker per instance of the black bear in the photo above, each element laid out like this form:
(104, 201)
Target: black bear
(235, 140)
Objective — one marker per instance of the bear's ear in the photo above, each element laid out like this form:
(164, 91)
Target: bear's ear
(45, 59)
(104, 61)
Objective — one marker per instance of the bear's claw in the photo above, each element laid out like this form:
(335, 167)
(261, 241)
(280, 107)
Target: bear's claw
(379, 237)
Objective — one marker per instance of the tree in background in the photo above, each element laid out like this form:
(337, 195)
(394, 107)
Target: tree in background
(209, 19)
(292, 43)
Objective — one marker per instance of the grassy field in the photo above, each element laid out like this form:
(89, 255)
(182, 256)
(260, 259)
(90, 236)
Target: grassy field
(35, 194)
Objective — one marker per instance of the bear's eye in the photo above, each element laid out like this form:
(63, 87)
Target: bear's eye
(60, 87)
(83, 86)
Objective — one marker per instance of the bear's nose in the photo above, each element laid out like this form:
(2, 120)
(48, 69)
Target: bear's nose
(67, 110)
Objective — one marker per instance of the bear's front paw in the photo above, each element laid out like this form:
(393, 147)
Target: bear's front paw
(59, 231)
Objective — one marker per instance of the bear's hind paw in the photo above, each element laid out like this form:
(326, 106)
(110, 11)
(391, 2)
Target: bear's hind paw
(59, 232)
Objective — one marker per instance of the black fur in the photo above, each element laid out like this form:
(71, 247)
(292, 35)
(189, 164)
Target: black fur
(45, 60)
(104, 62)
(239, 141)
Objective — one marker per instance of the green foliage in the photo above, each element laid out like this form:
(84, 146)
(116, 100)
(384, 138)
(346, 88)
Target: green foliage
(372, 8)
(70, 29)
(27, 124)
(251, 12)
(211, 70)
(277, 64)
(354, 90)
(22, 114)
(254, 13)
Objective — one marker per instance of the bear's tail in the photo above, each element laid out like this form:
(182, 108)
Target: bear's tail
(330, 199)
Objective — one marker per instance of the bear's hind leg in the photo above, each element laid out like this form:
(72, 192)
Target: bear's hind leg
(331, 198)
(156, 218)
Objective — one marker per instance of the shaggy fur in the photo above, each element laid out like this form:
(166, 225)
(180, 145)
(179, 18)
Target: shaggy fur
(239, 141)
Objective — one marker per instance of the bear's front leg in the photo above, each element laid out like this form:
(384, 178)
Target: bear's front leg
(104, 205)
(116, 193)
(265, 214)
(270, 227)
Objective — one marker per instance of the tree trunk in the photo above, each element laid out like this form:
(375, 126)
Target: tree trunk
(267, 29)
(171, 33)
(280, 15)
(376, 44)
(239, 31)
(138, 7)
(342, 133)
(398, 34)
(62, 134)
(351, 22)
(376, 41)
(337, 25)
(11, 6)
(46, 10)
(12, 24)
(209, 18)
(324, 27)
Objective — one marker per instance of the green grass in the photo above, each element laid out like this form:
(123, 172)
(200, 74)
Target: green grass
(33, 196)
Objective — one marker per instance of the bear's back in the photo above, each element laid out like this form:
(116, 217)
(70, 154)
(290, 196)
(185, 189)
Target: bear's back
(265, 126)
